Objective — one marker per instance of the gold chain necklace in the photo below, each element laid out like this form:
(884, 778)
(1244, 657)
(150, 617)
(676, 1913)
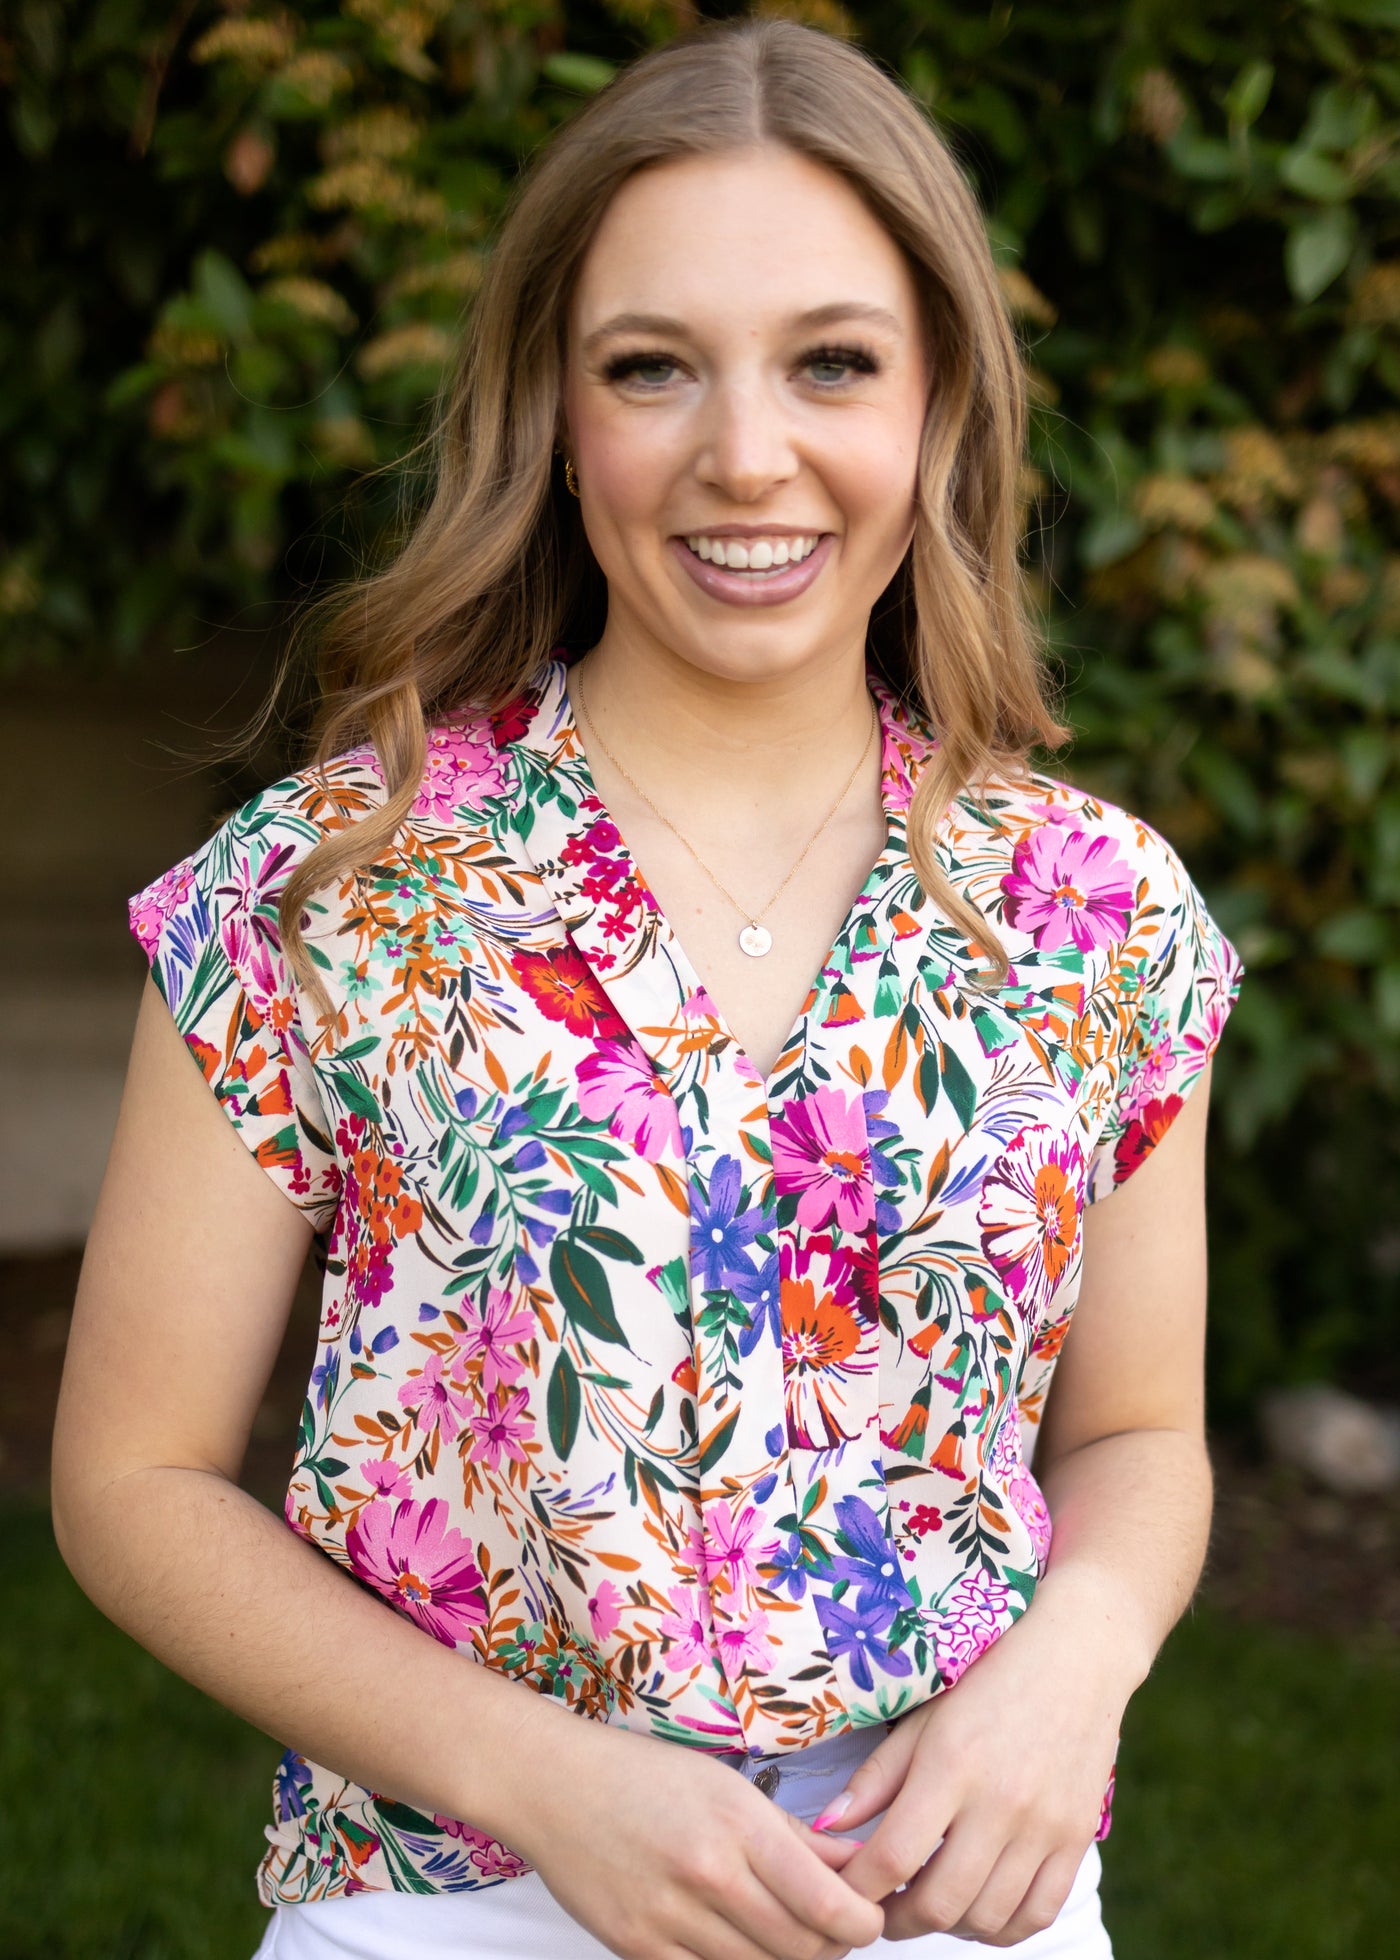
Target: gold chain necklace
(755, 940)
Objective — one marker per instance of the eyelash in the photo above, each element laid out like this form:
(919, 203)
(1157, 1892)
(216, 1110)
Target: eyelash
(859, 358)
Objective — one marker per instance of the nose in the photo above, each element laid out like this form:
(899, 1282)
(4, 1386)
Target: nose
(747, 442)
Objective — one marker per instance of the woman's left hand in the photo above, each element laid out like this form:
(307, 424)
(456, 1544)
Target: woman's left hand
(993, 1790)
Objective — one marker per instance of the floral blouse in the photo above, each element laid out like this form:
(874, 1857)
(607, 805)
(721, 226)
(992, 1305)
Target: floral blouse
(702, 1402)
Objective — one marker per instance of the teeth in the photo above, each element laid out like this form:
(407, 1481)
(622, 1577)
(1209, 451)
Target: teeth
(759, 555)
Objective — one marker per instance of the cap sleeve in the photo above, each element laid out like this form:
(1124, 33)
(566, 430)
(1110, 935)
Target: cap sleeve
(208, 927)
(1176, 991)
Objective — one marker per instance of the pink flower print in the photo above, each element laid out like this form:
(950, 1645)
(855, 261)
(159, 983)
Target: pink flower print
(493, 1860)
(745, 1643)
(1202, 1039)
(1028, 1502)
(420, 1565)
(605, 1610)
(820, 1153)
(978, 1610)
(1032, 1199)
(729, 1554)
(386, 1479)
(501, 1430)
(618, 1085)
(491, 1332)
(438, 1404)
(1065, 886)
(459, 769)
(688, 1629)
(150, 909)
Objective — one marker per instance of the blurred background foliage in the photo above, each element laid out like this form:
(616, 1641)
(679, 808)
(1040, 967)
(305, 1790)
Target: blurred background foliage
(241, 242)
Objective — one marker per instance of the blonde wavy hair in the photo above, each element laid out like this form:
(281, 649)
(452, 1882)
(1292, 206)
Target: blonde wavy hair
(497, 571)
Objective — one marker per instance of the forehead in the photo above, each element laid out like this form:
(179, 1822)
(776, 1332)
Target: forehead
(747, 235)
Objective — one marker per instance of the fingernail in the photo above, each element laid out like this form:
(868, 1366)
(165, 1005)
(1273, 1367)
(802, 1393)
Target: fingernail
(833, 1813)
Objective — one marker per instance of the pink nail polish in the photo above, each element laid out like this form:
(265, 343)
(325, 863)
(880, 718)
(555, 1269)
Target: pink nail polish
(833, 1813)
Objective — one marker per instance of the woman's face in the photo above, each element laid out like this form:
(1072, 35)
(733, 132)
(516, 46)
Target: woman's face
(746, 379)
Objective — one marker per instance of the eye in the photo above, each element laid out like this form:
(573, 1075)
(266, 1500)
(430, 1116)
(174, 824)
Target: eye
(641, 366)
(860, 360)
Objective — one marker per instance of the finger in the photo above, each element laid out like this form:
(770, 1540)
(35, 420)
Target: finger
(941, 1891)
(1043, 1901)
(834, 1852)
(901, 1844)
(989, 1913)
(760, 1923)
(816, 1896)
(873, 1784)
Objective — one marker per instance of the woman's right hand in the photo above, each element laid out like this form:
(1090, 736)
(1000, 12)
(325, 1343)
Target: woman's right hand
(664, 1854)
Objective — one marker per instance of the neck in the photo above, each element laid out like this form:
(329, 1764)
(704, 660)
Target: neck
(705, 738)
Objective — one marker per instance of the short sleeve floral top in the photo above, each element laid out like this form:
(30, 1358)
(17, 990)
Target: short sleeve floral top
(702, 1402)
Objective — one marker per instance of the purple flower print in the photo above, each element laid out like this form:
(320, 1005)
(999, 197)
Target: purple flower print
(291, 1781)
(869, 1560)
(857, 1635)
(618, 1085)
(1066, 887)
(420, 1565)
(491, 1332)
(719, 1231)
(762, 1293)
(821, 1155)
(976, 1612)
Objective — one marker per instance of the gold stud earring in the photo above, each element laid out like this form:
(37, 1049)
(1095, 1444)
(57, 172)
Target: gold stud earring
(570, 476)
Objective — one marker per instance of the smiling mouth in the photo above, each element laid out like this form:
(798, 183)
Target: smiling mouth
(755, 556)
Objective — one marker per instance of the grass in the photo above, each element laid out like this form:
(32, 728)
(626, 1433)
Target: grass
(1257, 1810)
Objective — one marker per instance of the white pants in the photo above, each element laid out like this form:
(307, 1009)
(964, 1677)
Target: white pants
(520, 1919)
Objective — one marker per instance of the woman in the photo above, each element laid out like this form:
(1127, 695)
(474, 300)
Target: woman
(688, 1320)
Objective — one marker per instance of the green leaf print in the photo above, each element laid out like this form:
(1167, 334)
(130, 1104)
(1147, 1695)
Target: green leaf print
(563, 1402)
(959, 1086)
(582, 1290)
(355, 1096)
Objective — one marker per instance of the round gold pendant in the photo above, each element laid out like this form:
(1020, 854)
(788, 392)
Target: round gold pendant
(755, 941)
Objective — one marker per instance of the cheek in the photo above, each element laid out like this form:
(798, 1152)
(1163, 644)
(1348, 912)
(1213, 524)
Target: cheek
(630, 465)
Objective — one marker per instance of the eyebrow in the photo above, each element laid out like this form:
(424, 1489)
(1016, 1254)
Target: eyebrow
(815, 317)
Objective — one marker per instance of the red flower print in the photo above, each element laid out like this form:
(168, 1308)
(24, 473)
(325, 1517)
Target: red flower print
(562, 985)
(925, 1518)
(1143, 1134)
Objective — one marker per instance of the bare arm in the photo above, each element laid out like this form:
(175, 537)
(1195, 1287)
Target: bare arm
(994, 1787)
(190, 1269)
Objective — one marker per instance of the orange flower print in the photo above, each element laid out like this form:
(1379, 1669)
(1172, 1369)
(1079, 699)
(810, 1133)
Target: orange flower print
(1030, 1212)
(563, 987)
(822, 1345)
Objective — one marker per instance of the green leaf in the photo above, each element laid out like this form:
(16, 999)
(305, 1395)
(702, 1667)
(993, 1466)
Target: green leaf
(1316, 251)
(718, 1443)
(584, 72)
(958, 1085)
(608, 1243)
(563, 1404)
(224, 292)
(1357, 937)
(355, 1096)
(1313, 175)
(582, 1290)
(1249, 92)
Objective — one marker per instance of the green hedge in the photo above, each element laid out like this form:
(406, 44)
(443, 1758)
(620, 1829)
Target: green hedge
(244, 242)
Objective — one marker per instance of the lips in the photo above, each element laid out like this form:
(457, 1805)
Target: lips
(768, 587)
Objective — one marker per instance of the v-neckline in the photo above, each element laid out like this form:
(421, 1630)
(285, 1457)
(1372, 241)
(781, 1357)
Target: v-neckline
(563, 748)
